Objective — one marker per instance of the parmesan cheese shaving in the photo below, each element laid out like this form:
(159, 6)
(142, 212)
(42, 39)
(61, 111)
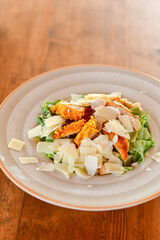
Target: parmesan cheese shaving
(16, 144)
(116, 127)
(91, 164)
(46, 167)
(156, 157)
(54, 121)
(126, 122)
(28, 160)
(63, 168)
(34, 132)
(108, 113)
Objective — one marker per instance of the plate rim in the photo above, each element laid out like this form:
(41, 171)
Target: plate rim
(60, 203)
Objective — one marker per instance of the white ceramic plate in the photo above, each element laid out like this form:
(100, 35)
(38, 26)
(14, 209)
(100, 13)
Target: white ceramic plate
(19, 113)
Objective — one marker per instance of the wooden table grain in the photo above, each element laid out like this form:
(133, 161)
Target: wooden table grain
(40, 35)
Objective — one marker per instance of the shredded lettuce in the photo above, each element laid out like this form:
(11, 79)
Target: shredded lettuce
(50, 156)
(143, 140)
(46, 111)
(135, 111)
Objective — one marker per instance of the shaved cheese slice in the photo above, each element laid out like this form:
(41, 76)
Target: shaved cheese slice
(16, 144)
(54, 121)
(115, 139)
(75, 97)
(63, 141)
(108, 113)
(57, 157)
(63, 168)
(148, 169)
(47, 147)
(86, 142)
(135, 123)
(113, 168)
(28, 160)
(46, 167)
(81, 173)
(116, 127)
(134, 164)
(96, 102)
(71, 168)
(88, 150)
(81, 102)
(47, 130)
(114, 159)
(91, 164)
(70, 151)
(34, 132)
(99, 119)
(115, 94)
(137, 105)
(79, 165)
(99, 157)
(126, 122)
(156, 157)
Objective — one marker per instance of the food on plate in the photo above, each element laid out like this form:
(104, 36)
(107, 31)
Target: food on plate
(92, 134)
(28, 160)
(16, 144)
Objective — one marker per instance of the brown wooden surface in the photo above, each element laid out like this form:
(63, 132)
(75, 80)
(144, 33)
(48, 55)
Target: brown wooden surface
(40, 35)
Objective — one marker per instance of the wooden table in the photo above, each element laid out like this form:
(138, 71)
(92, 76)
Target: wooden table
(40, 35)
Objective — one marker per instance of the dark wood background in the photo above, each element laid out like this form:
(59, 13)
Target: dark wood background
(40, 35)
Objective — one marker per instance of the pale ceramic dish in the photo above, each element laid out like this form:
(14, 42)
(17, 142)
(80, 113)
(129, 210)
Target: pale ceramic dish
(19, 113)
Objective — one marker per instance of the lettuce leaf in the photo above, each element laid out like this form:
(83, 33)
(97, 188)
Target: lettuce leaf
(143, 140)
(46, 111)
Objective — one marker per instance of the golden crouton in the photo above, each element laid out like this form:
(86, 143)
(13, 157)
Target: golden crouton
(68, 111)
(69, 129)
(89, 130)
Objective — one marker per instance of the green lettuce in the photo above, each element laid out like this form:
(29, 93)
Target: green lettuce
(143, 140)
(46, 111)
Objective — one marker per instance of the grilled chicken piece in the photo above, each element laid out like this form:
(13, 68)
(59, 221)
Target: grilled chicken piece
(68, 111)
(89, 130)
(122, 144)
(123, 110)
(69, 129)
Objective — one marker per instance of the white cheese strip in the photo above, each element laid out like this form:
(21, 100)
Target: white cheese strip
(156, 157)
(134, 164)
(35, 132)
(47, 130)
(75, 97)
(28, 160)
(99, 157)
(54, 121)
(91, 164)
(57, 157)
(115, 139)
(63, 141)
(47, 147)
(79, 165)
(88, 150)
(126, 122)
(81, 173)
(148, 169)
(63, 168)
(96, 102)
(108, 113)
(135, 123)
(46, 167)
(113, 168)
(16, 144)
(114, 159)
(116, 127)
(69, 150)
